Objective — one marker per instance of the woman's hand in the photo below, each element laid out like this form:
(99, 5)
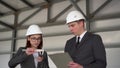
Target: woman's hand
(30, 51)
(40, 58)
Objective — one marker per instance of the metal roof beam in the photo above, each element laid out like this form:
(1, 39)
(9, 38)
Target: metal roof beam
(27, 3)
(40, 8)
(29, 17)
(49, 13)
(88, 15)
(77, 7)
(55, 1)
(48, 1)
(101, 7)
(27, 8)
(57, 16)
(1, 14)
(62, 12)
(41, 25)
(4, 24)
(7, 5)
(107, 16)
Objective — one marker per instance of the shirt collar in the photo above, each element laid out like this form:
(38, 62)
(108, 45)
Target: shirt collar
(81, 36)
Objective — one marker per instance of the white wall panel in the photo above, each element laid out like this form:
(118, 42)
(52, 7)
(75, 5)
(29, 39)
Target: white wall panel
(1, 27)
(113, 58)
(4, 9)
(21, 43)
(21, 33)
(48, 30)
(4, 60)
(55, 30)
(25, 14)
(56, 43)
(105, 24)
(8, 19)
(112, 7)
(82, 5)
(40, 17)
(56, 10)
(95, 4)
(18, 5)
(63, 17)
(65, 4)
(5, 46)
(7, 34)
(111, 38)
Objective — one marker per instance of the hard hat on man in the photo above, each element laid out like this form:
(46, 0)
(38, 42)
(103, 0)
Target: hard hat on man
(33, 29)
(74, 16)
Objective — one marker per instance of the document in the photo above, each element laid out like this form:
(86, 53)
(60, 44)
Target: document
(61, 59)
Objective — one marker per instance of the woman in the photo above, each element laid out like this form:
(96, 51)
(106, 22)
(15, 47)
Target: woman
(32, 55)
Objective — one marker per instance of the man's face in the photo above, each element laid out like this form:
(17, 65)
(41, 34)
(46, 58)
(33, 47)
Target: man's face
(75, 27)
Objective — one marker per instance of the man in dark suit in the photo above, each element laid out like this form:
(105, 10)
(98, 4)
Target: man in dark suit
(86, 49)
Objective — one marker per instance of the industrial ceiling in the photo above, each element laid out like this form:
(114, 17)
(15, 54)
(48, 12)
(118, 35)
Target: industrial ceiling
(14, 7)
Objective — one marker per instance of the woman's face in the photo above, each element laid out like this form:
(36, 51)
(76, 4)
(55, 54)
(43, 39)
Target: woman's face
(35, 40)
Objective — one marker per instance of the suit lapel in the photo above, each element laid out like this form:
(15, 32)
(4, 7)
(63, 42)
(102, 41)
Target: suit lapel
(85, 37)
(32, 60)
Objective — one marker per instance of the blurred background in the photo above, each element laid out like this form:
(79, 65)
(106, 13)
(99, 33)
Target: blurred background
(103, 18)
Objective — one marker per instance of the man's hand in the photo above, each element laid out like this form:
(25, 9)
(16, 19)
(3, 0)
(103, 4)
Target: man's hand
(74, 65)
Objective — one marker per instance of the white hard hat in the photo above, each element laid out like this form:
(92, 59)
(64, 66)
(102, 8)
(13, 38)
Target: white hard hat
(74, 16)
(33, 29)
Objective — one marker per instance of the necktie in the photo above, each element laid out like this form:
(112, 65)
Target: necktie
(78, 40)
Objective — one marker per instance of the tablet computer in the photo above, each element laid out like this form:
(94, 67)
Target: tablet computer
(61, 59)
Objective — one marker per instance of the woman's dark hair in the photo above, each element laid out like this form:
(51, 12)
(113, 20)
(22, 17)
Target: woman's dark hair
(29, 45)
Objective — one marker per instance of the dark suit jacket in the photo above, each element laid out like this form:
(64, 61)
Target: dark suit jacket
(90, 52)
(26, 61)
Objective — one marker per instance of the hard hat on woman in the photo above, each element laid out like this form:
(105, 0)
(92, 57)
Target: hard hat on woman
(33, 29)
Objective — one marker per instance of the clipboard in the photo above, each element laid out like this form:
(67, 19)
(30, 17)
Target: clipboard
(61, 59)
